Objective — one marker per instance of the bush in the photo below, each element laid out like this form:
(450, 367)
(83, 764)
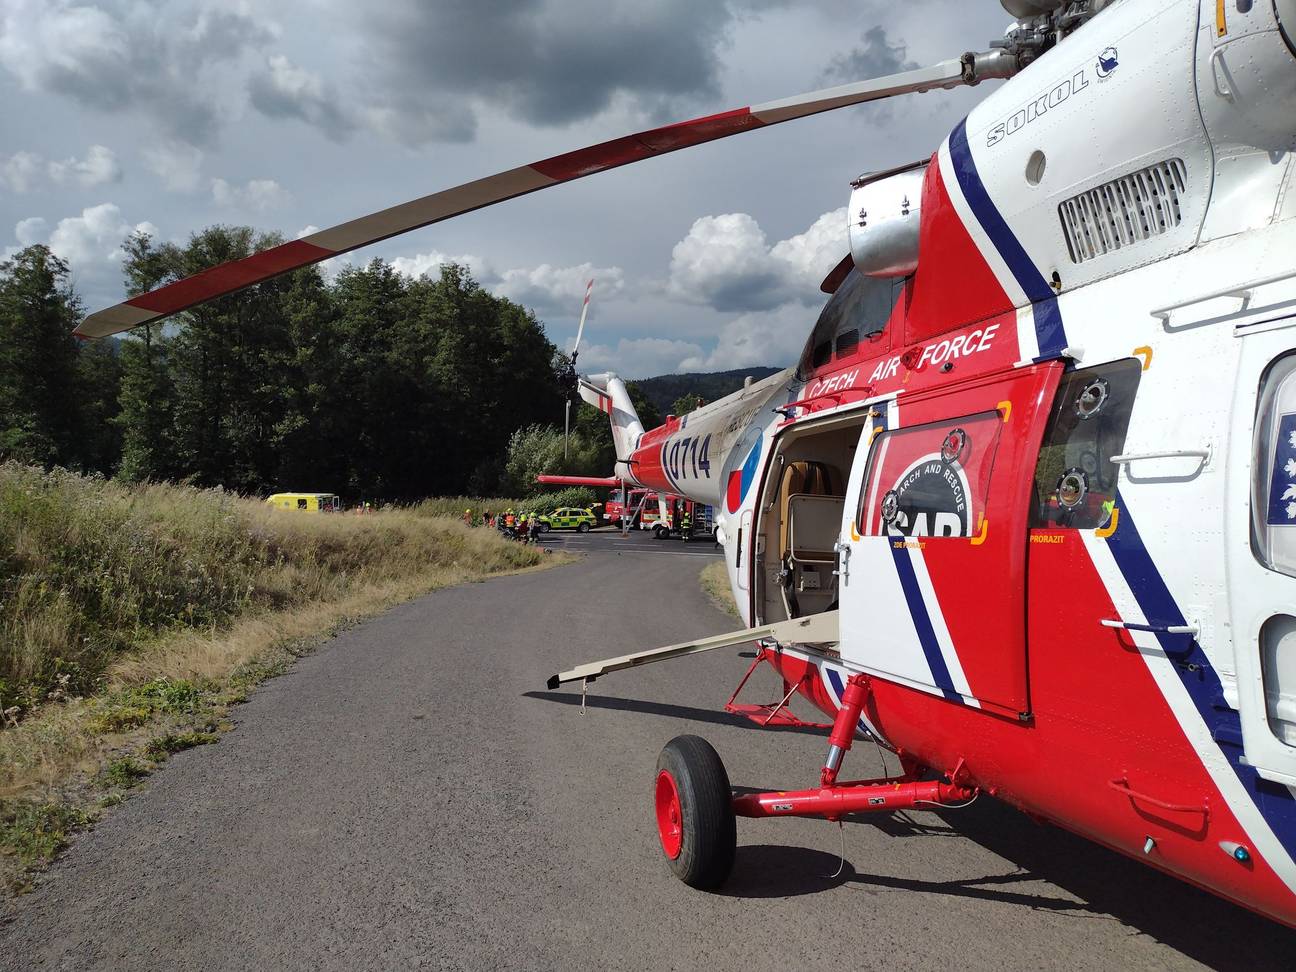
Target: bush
(581, 496)
(90, 569)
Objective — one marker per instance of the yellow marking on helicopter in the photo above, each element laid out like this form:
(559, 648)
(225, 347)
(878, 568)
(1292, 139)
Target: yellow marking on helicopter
(1005, 408)
(855, 535)
(982, 533)
(1105, 532)
(1221, 25)
(1145, 353)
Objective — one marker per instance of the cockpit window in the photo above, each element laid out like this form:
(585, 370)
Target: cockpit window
(856, 314)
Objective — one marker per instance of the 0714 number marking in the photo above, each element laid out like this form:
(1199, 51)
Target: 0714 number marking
(688, 458)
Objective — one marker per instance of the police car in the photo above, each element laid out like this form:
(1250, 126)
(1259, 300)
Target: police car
(568, 518)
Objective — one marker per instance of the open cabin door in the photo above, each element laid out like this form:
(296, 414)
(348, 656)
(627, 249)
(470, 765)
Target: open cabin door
(934, 534)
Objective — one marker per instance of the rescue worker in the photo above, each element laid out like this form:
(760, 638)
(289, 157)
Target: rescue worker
(468, 517)
(535, 528)
(522, 526)
(686, 524)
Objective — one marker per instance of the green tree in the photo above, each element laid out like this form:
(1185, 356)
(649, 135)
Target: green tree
(146, 412)
(688, 402)
(39, 381)
(99, 374)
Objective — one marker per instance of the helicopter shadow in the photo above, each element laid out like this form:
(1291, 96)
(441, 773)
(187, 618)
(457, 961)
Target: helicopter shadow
(1102, 884)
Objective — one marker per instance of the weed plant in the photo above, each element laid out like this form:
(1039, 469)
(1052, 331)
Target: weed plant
(90, 569)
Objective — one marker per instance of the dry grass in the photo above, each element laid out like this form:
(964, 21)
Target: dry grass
(715, 581)
(131, 619)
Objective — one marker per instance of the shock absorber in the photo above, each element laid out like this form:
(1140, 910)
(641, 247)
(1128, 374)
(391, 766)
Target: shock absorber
(844, 726)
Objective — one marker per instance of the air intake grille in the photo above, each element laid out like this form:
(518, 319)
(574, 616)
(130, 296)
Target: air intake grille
(1134, 207)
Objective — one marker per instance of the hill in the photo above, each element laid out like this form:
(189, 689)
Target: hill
(663, 390)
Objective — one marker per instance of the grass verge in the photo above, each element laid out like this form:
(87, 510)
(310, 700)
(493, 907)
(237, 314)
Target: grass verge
(131, 619)
(715, 582)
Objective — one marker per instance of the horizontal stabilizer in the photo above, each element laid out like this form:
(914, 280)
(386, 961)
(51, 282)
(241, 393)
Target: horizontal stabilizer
(813, 630)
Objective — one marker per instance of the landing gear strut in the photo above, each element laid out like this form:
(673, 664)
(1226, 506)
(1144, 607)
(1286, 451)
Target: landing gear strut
(696, 808)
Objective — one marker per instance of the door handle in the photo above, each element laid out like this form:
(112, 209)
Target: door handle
(1174, 629)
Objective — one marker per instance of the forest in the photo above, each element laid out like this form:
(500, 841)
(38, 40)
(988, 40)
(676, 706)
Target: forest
(368, 383)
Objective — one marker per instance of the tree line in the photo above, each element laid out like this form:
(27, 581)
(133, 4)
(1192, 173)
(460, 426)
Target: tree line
(369, 384)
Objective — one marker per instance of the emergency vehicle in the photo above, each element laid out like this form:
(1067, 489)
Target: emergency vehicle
(306, 502)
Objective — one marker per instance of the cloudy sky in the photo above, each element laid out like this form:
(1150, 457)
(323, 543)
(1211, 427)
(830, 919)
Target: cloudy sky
(171, 115)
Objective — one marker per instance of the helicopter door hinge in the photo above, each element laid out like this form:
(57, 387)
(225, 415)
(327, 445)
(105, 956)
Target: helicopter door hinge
(843, 552)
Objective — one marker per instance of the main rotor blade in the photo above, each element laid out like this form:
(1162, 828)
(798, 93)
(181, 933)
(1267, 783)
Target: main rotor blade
(237, 274)
(580, 328)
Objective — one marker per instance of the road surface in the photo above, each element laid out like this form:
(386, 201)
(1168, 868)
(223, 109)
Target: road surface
(411, 797)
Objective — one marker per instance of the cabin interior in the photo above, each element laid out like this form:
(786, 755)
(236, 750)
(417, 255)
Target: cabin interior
(799, 519)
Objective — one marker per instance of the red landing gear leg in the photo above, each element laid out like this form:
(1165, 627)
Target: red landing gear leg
(696, 825)
(833, 800)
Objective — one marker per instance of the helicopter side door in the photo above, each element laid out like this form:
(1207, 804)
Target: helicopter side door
(932, 567)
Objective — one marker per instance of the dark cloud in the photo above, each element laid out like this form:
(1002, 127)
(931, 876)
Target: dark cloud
(546, 62)
(160, 59)
(283, 90)
(876, 57)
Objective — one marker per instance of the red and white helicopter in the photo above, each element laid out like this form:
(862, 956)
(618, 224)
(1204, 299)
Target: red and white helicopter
(1025, 511)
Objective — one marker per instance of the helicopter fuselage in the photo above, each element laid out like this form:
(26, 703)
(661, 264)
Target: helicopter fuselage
(1047, 484)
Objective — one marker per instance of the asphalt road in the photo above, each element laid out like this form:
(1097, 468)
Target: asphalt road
(412, 797)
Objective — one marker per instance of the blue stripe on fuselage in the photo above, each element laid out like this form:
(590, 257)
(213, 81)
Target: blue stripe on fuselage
(1198, 676)
(1049, 332)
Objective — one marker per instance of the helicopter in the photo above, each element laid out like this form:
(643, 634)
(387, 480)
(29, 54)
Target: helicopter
(1024, 511)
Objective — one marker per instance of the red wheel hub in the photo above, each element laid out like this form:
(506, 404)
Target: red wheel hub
(670, 818)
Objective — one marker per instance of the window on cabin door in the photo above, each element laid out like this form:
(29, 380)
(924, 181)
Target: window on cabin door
(1075, 479)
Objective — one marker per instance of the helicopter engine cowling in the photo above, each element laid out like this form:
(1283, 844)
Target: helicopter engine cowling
(1025, 9)
(1246, 78)
(883, 221)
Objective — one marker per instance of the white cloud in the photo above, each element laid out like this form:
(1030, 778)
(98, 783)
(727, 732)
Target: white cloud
(431, 263)
(769, 337)
(98, 168)
(18, 172)
(257, 195)
(179, 165)
(94, 236)
(640, 357)
(550, 288)
(32, 230)
(724, 262)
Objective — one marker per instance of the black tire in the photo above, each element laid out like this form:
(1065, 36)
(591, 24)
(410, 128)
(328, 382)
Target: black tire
(660, 532)
(709, 835)
(582, 528)
(544, 527)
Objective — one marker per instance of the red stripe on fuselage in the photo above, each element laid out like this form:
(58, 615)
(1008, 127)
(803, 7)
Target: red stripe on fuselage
(231, 276)
(953, 284)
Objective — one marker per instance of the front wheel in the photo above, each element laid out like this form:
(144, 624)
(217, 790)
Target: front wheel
(695, 818)
(544, 527)
(660, 532)
(582, 528)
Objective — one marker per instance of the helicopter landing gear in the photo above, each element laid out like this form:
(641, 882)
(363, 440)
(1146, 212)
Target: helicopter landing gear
(695, 817)
(696, 808)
